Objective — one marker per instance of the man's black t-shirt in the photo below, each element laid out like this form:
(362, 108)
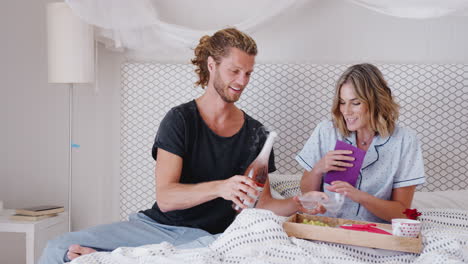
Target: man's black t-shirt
(206, 157)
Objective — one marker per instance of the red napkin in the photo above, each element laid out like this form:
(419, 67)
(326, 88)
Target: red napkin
(367, 228)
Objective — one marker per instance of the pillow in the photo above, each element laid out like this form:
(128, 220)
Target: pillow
(288, 185)
(441, 199)
(285, 185)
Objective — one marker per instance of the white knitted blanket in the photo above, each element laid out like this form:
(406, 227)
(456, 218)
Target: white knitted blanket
(257, 236)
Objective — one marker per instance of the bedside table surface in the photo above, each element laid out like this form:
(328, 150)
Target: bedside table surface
(7, 225)
(37, 232)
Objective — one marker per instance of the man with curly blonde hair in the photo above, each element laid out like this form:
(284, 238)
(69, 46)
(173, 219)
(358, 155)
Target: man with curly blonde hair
(201, 150)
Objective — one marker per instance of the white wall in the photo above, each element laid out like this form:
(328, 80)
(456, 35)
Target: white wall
(34, 114)
(336, 31)
(32, 119)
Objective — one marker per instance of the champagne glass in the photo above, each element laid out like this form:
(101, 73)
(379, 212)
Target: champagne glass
(333, 204)
(311, 200)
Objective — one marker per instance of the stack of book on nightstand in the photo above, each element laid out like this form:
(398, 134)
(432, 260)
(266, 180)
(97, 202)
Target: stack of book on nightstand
(37, 213)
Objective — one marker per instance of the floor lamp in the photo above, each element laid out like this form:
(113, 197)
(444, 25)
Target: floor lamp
(70, 46)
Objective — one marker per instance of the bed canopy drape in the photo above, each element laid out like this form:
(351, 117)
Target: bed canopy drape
(137, 24)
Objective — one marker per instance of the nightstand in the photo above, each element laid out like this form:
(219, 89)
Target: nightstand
(37, 232)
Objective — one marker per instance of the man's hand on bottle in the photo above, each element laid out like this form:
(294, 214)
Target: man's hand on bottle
(238, 188)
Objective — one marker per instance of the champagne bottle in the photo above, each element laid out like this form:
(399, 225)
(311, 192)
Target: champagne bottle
(258, 170)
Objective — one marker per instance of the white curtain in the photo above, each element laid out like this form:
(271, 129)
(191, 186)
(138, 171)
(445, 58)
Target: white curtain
(135, 25)
(415, 8)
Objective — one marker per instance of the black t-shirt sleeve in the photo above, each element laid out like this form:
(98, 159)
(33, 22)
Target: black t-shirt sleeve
(171, 134)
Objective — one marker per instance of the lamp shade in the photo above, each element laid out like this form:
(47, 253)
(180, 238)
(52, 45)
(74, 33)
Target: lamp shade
(70, 45)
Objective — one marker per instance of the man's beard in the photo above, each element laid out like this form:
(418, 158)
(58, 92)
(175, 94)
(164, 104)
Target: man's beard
(221, 88)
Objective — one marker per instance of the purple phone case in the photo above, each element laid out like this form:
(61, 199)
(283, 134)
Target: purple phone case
(351, 174)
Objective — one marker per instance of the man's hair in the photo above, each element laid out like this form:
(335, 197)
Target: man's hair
(218, 47)
(371, 89)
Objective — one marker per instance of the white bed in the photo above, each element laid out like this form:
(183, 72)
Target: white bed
(257, 236)
(292, 99)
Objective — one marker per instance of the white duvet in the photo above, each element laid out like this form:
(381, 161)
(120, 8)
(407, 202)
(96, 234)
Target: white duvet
(257, 236)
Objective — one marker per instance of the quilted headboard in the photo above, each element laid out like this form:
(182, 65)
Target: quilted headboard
(291, 99)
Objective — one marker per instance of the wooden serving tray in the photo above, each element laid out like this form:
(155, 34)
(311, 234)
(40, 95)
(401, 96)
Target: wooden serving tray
(294, 227)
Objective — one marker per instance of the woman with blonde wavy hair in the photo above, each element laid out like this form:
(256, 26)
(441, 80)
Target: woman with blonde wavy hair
(364, 114)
